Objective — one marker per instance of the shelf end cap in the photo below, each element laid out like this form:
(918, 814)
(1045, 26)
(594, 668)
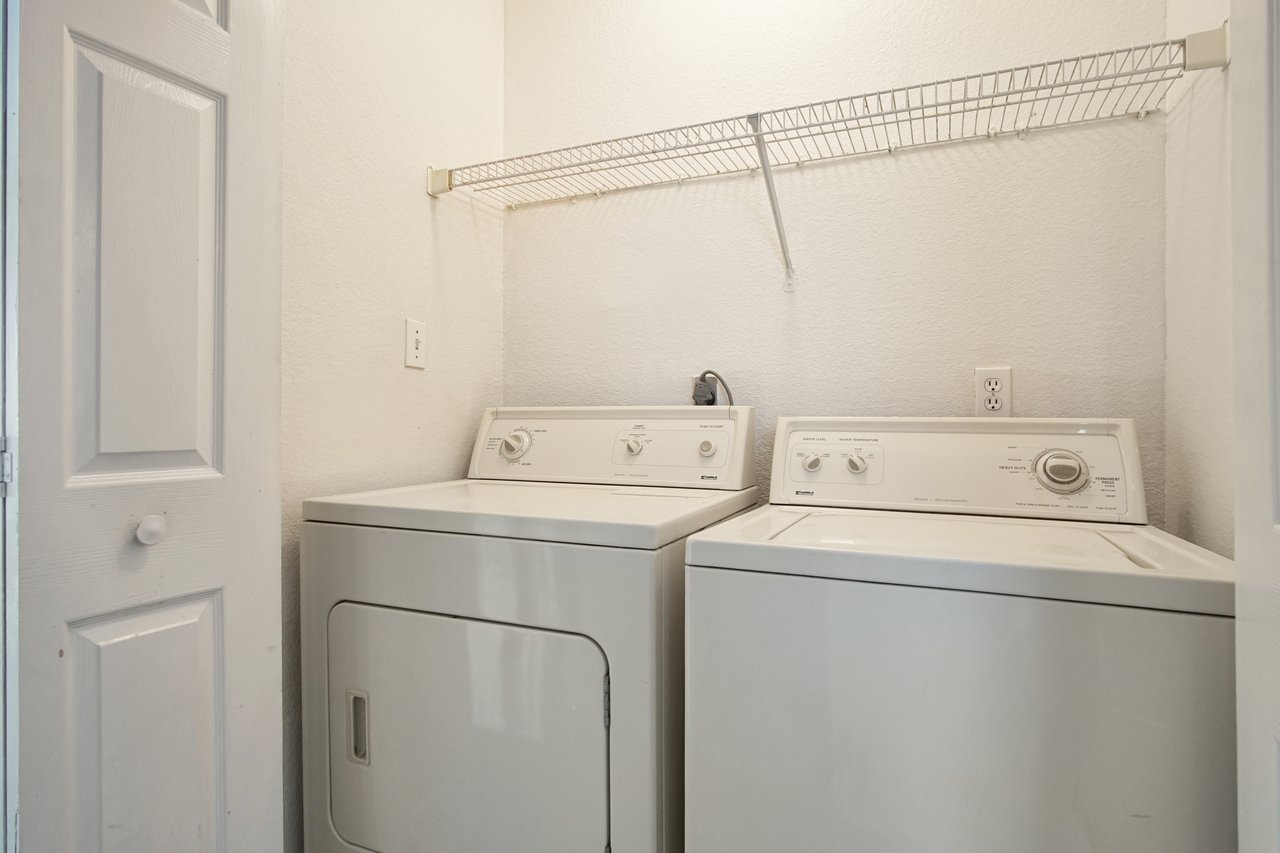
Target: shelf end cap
(1209, 49)
(439, 181)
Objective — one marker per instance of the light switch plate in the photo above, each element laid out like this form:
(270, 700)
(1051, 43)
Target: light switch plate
(415, 344)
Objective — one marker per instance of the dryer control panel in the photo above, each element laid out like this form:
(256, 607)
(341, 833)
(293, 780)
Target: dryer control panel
(708, 447)
(1028, 467)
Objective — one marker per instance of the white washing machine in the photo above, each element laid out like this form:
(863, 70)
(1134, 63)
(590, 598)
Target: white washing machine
(494, 664)
(957, 636)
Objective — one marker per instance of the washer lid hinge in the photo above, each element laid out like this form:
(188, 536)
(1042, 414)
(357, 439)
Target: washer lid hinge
(606, 708)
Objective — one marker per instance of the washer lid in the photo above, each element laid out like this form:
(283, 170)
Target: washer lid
(1135, 566)
(617, 516)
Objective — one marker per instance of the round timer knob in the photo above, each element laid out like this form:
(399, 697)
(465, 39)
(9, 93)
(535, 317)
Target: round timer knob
(857, 464)
(1062, 471)
(633, 446)
(515, 445)
(707, 448)
(811, 462)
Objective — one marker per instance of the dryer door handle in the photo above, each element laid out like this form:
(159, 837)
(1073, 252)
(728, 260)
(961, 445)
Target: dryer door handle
(358, 726)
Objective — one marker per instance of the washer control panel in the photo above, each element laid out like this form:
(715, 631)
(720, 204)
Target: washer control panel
(691, 446)
(1032, 467)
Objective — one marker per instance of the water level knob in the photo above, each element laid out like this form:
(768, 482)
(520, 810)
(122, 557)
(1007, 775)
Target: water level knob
(811, 462)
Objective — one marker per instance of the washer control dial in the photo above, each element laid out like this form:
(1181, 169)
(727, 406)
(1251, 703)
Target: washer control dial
(857, 463)
(633, 446)
(811, 462)
(515, 445)
(707, 447)
(1062, 471)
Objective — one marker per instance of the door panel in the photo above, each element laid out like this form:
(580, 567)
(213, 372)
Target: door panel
(131, 671)
(146, 286)
(497, 730)
(148, 311)
(212, 8)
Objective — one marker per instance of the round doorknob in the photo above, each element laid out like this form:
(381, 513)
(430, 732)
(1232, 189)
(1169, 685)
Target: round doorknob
(151, 529)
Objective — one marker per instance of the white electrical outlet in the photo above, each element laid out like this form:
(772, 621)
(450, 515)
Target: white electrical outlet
(715, 386)
(992, 392)
(415, 344)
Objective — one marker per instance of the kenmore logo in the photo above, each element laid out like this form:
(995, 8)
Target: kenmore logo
(711, 476)
(799, 492)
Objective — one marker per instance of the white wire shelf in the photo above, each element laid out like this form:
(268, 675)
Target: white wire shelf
(1127, 82)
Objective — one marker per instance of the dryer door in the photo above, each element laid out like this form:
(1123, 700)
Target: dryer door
(449, 735)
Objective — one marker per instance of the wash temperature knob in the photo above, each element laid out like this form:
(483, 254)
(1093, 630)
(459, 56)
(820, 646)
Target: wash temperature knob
(857, 464)
(811, 462)
(515, 445)
(634, 446)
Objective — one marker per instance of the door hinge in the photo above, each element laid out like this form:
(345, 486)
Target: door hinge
(606, 705)
(6, 466)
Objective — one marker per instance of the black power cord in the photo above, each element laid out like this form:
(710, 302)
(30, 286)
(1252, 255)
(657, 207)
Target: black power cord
(704, 393)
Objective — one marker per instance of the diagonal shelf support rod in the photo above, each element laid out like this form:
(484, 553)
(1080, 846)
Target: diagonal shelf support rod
(766, 169)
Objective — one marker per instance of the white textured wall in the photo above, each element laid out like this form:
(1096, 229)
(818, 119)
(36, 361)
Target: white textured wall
(1198, 368)
(373, 93)
(1045, 254)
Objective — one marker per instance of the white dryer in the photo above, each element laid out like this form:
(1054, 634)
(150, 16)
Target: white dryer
(957, 636)
(494, 664)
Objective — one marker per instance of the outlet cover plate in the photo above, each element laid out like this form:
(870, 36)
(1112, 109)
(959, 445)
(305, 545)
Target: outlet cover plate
(715, 387)
(993, 392)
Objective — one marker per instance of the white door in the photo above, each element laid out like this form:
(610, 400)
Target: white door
(148, 311)
(8, 527)
(1254, 175)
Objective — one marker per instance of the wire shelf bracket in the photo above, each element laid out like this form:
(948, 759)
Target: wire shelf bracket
(1130, 81)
